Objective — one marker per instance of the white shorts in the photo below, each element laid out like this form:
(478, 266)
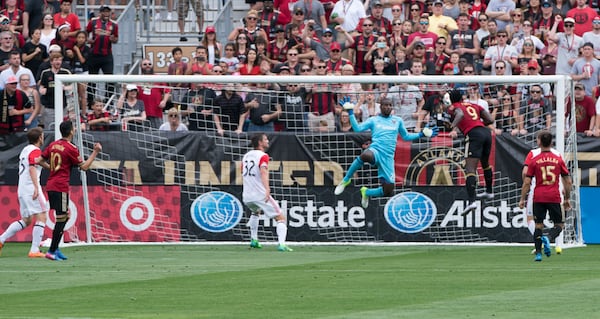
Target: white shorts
(270, 208)
(30, 206)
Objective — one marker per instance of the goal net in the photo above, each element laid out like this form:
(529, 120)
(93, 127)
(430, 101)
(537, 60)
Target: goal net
(155, 185)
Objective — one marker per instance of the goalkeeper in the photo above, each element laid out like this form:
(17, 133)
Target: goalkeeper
(384, 135)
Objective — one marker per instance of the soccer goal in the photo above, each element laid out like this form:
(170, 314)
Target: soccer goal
(158, 186)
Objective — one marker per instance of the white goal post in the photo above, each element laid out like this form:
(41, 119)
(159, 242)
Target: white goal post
(336, 157)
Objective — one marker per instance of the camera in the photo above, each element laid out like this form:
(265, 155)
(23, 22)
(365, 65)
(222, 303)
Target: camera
(380, 45)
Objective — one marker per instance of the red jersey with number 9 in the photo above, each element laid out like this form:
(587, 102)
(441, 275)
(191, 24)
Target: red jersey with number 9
(547, 167)
(472, 116)
(62, 156)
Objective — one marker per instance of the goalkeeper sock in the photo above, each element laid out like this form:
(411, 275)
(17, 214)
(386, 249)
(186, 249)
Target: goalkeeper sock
(36, 236)
(253, 224)
(281, 232)
(471, 185)
(488, 175)
(531, 226)
(355, 166)
(12, 229)
(374, 192)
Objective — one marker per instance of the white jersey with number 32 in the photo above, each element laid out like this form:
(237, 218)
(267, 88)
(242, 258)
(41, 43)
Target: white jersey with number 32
(253, 161)
(27, 158)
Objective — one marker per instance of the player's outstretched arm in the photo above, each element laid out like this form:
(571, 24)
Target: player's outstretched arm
(86, 165)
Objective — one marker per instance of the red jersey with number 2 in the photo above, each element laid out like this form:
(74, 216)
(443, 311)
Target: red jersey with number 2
(62, 156)
(547, 167)
(472, 116)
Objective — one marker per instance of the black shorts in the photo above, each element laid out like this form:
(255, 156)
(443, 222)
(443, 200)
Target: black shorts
(479, 143)
(59, 201)
(553, 209)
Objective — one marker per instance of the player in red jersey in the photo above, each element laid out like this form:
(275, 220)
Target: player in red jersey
(62, 156)
(468, 118)
(546, 167)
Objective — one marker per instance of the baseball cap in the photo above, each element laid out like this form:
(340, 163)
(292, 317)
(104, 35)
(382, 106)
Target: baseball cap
(546, 3)
(448, 66)
(532, 64)
(131, 87)
(419, 44)
(278, 28)
(298, 9)
(210, 29)
(438, 1)
(327, 30)
(104, 8)
(579, 85)
(12, 79)
(596, 19)
(55, 48)
(588, 44)
(376, 3)
(335, 46)
(569, 20)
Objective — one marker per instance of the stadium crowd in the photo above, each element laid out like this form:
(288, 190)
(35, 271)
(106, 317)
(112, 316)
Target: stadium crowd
(327, 37)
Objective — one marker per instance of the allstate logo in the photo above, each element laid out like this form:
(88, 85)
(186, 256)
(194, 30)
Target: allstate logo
(410, 212)
(216, 212)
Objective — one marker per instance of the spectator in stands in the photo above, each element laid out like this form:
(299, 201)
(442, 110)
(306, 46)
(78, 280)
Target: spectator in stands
(418, 54)
(528, 52)
(423, 35)
(46, 88)
(241, 47)
(104, 33)
(474, 95)
(214, 47)
(28, 86)
(527, 36)
(15, 69)
(251, 29)
(451, 9)
(396, 12)
(34, 52)
(65, 16)
(322, 103)
(583, 16)
(183, 6)
(561, 7)
(515, 26)
(322, 46)
(98, 119)
(501, 52)
(535, 112)
(79, 65)
(229, 106)
(380, 51)
(48, 31)
(546, 21)
(201, 65)
(252, 64)
(464, 41)
(500, 11)
(434, 113)
(230, 59)
(255, 4)
(198, 107)
(381, 25)
(132, 109)
(348, 90)
(174, 122)
(262, 109)
(367, 106)
(438, 56)
(177, 67)
(154, 96)
(293, 108)
(585, 110)
(158, 4)
(593, 36)
(586, 69)
(32, 16)
(485, 43)
(503, 115)
(398, 38)
(64, 41)
(409, 105)
(269, 19)
(568, 45)
(348, 13)
(313, 10)
(548, 55)
(15, 105)
(362, 43)
(6, 47)
(15, 17)
(439, 23)
(343, 125)
(55, 48)
(482, 31)
(336, 62)
(416, 12)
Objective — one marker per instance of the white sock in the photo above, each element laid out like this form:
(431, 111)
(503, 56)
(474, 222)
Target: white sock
(12, 229)
(36, 236)
(253, 224)
(559, 241)
(531, 226)
(281, 232)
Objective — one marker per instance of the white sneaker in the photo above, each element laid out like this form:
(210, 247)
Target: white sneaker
(169, 16)
(471, 207)
(485, 195)
(341, 187)
(157, 16)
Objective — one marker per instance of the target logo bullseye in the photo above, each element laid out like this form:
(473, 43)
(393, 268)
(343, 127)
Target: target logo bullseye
(137, 213)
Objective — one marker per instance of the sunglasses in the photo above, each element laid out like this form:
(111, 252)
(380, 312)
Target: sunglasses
(305, 70)
(218, 71)
(395, 10)
(415, 9)
(397, 23)
(228, 49)
(321, 67)
(335, 50)
(569, 25)
(536, 92)
(527, 44)
(483, 20)
(501, 35)
(579, 88)
(292, 54)
(516, 15)
(251, 18)
(443, 43)
(468, 71)
(292, 85)
(299, 13)
(173, 116)
(367, 25)
(423, 23)
(327, 35)
(147, 64)
(499, 68)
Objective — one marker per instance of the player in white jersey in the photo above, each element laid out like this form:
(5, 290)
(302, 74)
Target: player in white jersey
(529, 208)
(31, 197)
(256, 193)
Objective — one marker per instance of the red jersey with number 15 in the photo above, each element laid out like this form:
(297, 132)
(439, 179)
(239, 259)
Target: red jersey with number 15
(472, 116)
(547, 167)
(62, 156)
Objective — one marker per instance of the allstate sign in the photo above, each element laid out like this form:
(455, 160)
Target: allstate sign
(410, 212)
(216, 212)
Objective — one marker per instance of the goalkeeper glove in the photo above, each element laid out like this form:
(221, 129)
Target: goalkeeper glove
(347, 105)
(429, 131)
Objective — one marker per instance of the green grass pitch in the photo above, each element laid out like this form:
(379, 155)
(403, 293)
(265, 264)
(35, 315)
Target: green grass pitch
(230, 281)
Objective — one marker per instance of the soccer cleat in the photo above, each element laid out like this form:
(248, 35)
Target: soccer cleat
(341, 186)
(364, 200)
(51, 256)
(546, 242)
(469, 208)
(255, 244)
(558, 250)
(1, 245)
(283, 247)
(59, 255)
(485, 195)
(538, 257)
(39, 254)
